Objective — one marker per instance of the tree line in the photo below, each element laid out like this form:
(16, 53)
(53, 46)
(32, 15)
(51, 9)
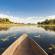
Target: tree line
(47, 21)
(5, 20)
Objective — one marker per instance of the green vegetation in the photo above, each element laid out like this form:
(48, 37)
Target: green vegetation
(6, 23)
(47, 22)
(5, 20)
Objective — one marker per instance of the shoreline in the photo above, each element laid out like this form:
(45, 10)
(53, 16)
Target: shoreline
(3, 25)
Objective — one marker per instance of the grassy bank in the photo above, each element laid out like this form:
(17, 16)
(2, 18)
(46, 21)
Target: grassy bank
(11, 25)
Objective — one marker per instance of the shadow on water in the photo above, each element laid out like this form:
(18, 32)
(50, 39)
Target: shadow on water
(4, 28)
(48, 28)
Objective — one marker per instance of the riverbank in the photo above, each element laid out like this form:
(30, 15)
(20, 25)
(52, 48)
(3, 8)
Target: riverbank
(50, 25)
(3, 25)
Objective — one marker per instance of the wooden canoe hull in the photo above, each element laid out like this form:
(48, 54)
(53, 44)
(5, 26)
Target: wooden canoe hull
(24, 46)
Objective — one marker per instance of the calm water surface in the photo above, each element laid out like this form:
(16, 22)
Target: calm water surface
(45, 38)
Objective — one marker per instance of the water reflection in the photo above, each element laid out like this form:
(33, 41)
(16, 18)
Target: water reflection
(4, 28)
(50, 46)
(48, 28)
(45, 39)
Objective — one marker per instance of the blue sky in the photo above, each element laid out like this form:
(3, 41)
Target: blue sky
(27, 8)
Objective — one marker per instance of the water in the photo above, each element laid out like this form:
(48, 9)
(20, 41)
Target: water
(45, 38)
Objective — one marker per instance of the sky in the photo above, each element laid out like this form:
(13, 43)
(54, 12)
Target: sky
(27, 11)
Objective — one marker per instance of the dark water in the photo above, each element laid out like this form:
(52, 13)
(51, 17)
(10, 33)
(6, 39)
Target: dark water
(45, 38)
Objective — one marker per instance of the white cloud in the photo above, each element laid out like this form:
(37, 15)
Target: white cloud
(53, 16)
(33, 19)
